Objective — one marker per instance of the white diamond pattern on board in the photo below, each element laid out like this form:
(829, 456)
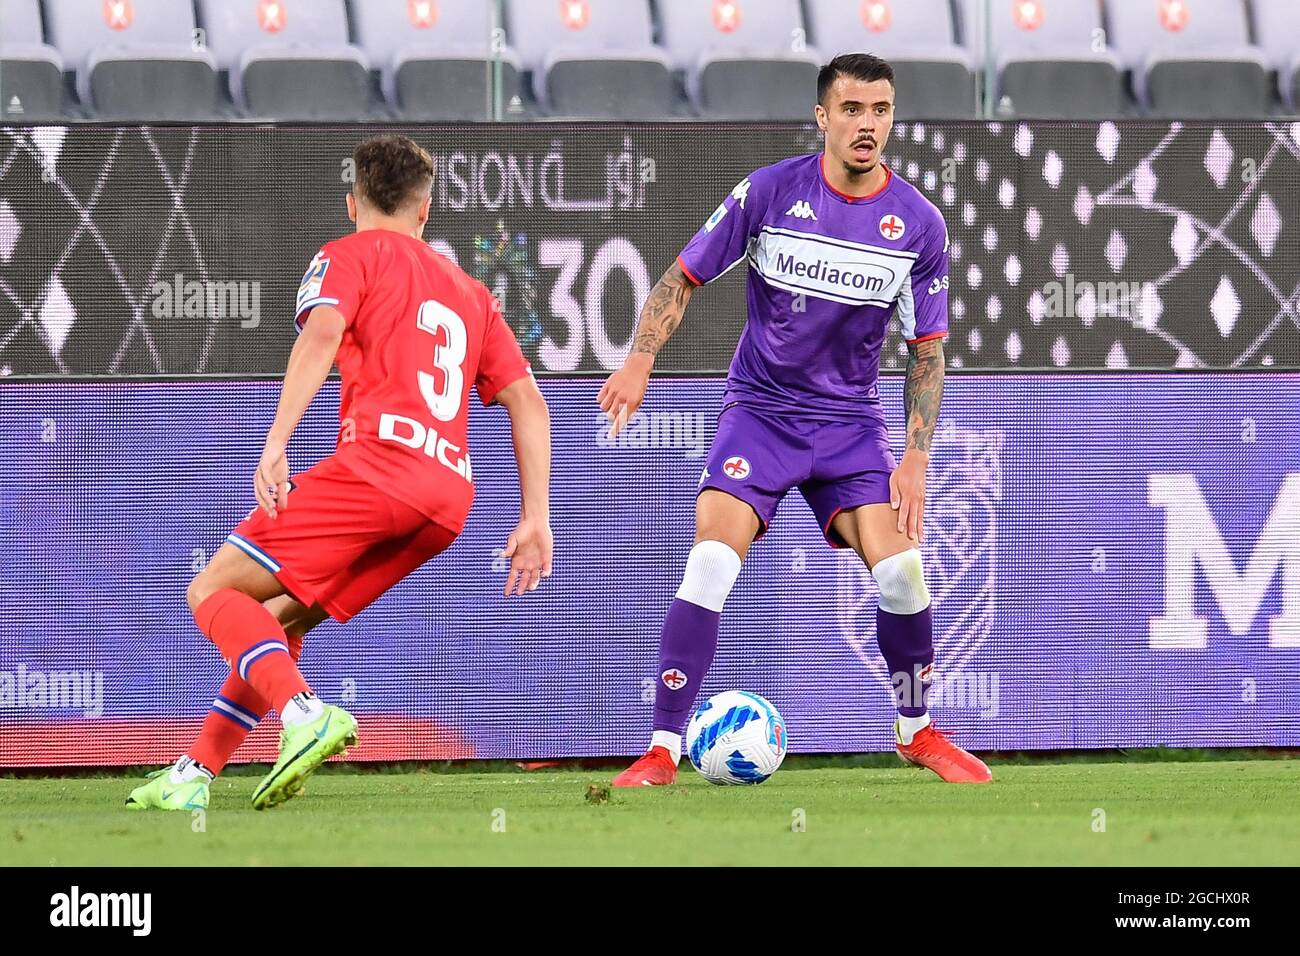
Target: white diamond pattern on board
(1225, 307)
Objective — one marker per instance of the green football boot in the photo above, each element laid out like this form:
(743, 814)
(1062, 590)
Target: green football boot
(161, 794)
(303, 748)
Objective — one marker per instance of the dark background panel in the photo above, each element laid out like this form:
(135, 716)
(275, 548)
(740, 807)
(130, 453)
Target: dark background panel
(1195, 225)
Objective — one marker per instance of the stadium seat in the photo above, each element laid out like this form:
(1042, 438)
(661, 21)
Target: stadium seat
(288, 59)
(593, 58)
(434, 56)
(1191, 59)
(933, 75)
(744, 59)
(134, 58)
(31, 71)
(1051, 58)
(1277, 24)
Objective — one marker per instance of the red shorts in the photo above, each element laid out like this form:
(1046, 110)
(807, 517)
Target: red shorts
(340, 542)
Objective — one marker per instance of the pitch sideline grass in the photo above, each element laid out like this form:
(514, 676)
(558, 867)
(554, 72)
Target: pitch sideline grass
(1220, 812)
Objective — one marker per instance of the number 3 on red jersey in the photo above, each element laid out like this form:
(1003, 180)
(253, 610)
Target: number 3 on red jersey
(442, 387)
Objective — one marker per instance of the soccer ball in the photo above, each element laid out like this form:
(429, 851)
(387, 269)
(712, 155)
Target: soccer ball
(736, 737)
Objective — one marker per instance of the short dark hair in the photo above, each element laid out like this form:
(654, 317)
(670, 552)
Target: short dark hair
(859, 66)
(391, 171)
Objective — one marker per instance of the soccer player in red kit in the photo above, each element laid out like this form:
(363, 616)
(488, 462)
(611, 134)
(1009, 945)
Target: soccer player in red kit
(411, 333)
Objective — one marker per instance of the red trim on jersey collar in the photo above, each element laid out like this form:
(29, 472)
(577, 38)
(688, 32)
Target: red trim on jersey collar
(821, 170)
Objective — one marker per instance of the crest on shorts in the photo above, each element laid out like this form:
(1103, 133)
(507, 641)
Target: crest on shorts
(736, 467)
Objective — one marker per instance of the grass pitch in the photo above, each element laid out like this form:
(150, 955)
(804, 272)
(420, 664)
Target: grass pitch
(1105, 811)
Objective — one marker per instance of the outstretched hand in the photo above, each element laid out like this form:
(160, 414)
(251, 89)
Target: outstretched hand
(529, 550)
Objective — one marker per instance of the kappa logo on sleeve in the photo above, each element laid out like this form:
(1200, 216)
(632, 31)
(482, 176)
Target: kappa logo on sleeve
(741, 192)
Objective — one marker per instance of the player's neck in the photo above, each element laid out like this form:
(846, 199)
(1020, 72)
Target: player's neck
(858, 186)
(389, 224)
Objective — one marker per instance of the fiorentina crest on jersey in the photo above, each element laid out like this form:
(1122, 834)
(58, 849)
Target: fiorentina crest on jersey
(892, 227)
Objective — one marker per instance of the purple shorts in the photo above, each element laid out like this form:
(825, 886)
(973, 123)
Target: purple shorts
(759, 456)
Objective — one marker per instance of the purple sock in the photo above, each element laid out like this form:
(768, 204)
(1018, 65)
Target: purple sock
(686, 648)
(906, 641)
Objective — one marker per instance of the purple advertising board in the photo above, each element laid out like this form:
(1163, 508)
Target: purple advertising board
(1114, 561)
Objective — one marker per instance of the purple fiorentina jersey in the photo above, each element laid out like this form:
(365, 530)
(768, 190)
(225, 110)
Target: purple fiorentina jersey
(826, 272)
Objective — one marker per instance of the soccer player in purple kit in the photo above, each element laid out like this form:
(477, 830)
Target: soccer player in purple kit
(836, 244)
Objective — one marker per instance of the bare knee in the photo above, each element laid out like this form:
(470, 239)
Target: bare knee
(232, 569)
(201, 588)
(736, 535)
(721, 517)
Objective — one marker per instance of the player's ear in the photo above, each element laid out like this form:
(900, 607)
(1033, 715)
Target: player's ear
(352, 207)
(422, 214)
(819, 112)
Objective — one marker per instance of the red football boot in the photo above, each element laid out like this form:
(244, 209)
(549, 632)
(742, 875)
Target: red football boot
(655, 769)
(931, 749)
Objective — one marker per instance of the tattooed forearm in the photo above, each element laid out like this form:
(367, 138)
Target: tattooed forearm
(663, 310)
(923, 392)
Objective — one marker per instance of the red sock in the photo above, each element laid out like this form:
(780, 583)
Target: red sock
(235, 712)
(253, 644)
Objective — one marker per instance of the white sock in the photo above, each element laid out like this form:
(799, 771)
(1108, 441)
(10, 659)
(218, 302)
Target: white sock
(669, 741)
(907, 727)
(187, 769)
(302, 709)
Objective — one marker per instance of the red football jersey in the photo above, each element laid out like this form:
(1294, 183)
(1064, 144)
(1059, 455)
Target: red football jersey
(419, 333)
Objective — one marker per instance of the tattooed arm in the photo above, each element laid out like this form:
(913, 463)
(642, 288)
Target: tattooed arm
(921, 396)
(923, 392)
(663, 311)
(624, 391)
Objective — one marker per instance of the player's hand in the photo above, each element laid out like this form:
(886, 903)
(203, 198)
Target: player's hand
(271, 482)
(907, 493)
(624, 391)
(529, 550)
